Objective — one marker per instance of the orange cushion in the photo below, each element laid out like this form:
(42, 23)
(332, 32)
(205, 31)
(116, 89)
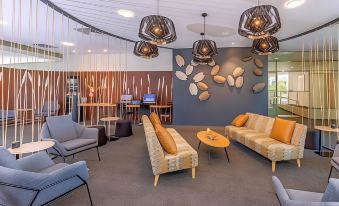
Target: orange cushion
(154, 118)
(240, 120)
(166, 140)
(283, 130)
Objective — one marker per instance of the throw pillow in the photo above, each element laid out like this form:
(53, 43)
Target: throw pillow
(240, 120)
(154, 118)
(166, 140)
(283, 130)
(332, 191)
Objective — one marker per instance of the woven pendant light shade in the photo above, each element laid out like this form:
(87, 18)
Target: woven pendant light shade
(204, 48)
(265, 46)
(259, 22)
(202, 60)
(157, 30)
(145, 50)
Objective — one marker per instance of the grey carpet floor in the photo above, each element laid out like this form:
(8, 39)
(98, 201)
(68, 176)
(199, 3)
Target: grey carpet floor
(124, 176)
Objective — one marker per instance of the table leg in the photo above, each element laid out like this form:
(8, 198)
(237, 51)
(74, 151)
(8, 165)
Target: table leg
(320, 143)
(109, 130)
(199, 145)
(227, 154)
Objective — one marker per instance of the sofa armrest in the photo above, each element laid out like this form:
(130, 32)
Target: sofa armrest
(57, 146)
(336, 151)
(280, 190)
(45, 134)
(22, 179)
(90, 133)
(35, 162)
(78, 169)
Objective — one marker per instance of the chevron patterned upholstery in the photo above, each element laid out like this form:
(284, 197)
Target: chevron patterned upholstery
(256, 136)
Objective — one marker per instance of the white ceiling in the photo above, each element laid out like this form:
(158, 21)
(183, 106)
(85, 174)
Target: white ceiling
(186, 16)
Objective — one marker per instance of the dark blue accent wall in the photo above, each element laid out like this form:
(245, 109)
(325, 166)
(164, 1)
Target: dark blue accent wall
(225, 102)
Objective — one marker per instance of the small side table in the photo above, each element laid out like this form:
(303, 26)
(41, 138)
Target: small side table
(324, 129)
(31, 147)
(108, 121)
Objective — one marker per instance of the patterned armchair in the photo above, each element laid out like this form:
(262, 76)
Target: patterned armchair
(37, 180)
(163, 162)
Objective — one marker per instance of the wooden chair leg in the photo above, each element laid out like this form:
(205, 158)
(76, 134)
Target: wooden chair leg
(273, 166)
(298, 163)
(156, 179)
(193, 173)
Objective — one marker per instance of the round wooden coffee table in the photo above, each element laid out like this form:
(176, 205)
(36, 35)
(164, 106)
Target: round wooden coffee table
(31, 147)
(213, 139)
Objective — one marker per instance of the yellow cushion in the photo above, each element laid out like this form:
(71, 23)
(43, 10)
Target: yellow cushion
(154, 118)
(283, 130)
(166, 140)
(240, 120)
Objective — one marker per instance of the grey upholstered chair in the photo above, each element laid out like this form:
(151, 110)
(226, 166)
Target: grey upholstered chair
(69, 137)
(290, 197)
(7, 115)
(334, 160)
(37, 180)
(48, 109)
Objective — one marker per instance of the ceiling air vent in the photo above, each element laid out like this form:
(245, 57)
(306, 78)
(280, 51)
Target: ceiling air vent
(87, 31)
(45, 46)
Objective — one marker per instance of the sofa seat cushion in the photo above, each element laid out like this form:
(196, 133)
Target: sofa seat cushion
(77, 143)
(304, 195)
(235, 132)
(275, 150)
(53, 168)
(186, 156)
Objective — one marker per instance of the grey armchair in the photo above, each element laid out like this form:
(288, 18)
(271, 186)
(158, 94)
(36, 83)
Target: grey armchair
(290, 197)
(48, 109)
(335, 160)
(37, 180)
(69, 137)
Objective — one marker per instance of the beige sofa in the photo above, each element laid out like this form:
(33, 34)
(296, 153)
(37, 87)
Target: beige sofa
(256, 135)
(163, 162)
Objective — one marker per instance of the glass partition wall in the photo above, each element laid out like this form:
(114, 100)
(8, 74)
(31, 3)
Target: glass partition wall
(303, 85)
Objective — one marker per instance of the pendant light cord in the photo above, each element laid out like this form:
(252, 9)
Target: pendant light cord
(203, 37)
(158, 7)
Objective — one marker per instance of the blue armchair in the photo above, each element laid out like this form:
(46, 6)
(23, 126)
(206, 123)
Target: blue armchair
(37, 180)
(69, 137)
(291, 197)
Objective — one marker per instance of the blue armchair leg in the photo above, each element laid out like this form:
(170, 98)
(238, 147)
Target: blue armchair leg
(98, 154)
(328, 179)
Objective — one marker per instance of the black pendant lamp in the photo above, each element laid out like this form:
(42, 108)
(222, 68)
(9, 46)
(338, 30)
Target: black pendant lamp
(265, 46)
(145, 50)
(204, 48)
(259, 22)
(157, 29)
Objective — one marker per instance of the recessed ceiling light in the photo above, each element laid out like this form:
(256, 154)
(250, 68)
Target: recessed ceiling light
(3, 22)
(126, 13)
(74, 51)
(233, 43)
(89, 51)
(65, 43)
(225, 33)
(105, 50)
(291, 4)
